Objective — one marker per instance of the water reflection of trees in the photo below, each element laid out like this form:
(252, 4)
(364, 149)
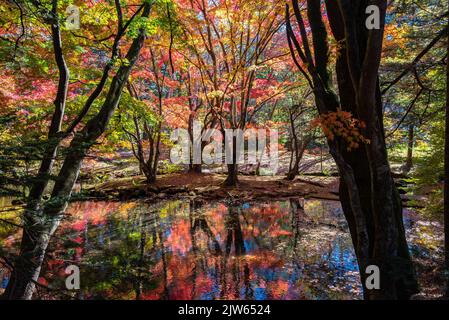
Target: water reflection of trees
(221, 262)
(187, 250)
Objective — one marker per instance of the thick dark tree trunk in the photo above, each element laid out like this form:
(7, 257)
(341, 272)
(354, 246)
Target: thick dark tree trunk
(149, 173)
(293, 172)
(37, 229)
(295, 158)
(150, 165)
(151, 179)
(369, 198)
(379, 199)
(27, 266)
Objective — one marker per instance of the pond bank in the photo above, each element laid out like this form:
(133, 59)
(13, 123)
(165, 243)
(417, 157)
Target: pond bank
(210, 187)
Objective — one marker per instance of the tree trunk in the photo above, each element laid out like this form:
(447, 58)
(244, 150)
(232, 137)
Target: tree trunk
(380, 202)
(294, 161)
(195, 168)
(293, 172)
(52, 144)
(369, 197)
(148, 172)
(233, 168)
(40, 226)
(410, 142)
(232, 178)
(151, 178)
(298, 154)
(27, 266)
(147, 166)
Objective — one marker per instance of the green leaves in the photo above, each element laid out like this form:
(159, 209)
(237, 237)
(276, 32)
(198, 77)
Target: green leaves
(148, 25)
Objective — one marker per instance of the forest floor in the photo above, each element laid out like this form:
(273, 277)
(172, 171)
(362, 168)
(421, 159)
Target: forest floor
(119, 179)
(210, 187)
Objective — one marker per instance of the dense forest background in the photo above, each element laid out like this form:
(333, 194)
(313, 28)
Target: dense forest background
(92, 91)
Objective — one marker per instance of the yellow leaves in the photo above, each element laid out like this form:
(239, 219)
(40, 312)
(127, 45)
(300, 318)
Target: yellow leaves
(118, 62)
(215, 94)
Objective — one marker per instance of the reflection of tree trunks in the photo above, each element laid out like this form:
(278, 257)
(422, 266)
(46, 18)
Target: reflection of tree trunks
(236, 277)
(295, 208)
(199, 223)
(235, 234)
(249, 293)
(158, 243)
(140, 265)
(194, 247)
(234, 237)
(165, 294)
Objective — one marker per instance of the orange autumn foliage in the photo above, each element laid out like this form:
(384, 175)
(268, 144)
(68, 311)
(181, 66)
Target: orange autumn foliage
(342, 124)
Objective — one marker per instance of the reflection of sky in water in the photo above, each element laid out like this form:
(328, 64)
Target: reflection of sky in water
(271, 273)
(342, 258)
(122, 242)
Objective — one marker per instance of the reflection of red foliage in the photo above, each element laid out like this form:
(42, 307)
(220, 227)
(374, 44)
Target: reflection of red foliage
(42, 281)
(88, 212)
(179, 239)
(185, 273)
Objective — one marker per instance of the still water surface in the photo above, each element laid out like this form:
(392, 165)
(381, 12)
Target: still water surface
(183, 249)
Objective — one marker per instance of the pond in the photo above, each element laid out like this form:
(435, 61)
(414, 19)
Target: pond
(185, 249)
